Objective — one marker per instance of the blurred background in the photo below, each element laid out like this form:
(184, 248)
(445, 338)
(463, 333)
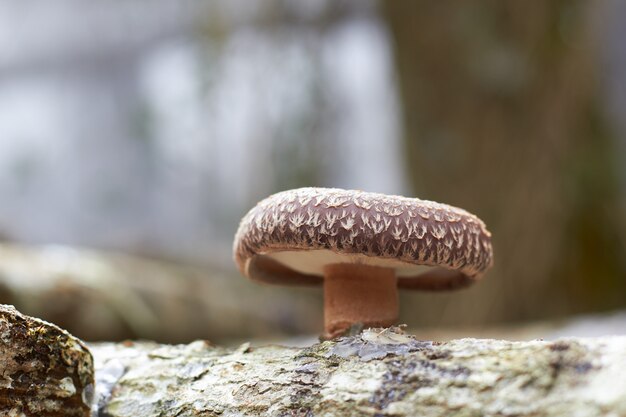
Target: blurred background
(133, 138)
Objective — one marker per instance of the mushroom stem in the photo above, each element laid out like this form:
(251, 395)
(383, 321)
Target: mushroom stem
(357, 293)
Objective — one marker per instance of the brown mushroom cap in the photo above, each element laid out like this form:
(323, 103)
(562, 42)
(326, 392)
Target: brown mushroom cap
(290, 236)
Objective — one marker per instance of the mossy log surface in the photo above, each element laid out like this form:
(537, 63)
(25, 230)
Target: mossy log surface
(376, 373)
(46, 372)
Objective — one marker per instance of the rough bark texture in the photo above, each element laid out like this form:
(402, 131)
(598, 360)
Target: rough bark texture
(377, 373)
(45, 371)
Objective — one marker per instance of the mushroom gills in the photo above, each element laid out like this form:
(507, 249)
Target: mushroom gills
(312, 262)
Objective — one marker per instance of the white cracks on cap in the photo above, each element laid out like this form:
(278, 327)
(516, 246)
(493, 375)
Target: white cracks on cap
(438, 231)
(348, 223)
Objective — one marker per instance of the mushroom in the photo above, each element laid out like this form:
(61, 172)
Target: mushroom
(362, 247)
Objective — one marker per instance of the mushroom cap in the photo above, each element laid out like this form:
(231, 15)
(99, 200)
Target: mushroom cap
(290, 236)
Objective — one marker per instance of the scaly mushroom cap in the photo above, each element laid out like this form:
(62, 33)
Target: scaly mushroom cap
(289, 237)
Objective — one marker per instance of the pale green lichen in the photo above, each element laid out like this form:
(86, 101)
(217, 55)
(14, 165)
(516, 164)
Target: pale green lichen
(376, 373)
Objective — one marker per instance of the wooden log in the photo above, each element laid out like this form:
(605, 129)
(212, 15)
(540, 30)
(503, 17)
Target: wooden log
(376, 373)
(379, 372)
(46, 372)
(134, 297)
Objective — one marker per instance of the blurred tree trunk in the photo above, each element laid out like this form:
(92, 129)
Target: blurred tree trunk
(502, 117)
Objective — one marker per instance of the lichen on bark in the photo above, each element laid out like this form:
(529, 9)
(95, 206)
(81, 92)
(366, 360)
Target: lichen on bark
(376, 373)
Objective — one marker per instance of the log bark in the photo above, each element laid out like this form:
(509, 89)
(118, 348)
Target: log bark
(45, 371)
(380, 372)
(134, 297)
(376, 373)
